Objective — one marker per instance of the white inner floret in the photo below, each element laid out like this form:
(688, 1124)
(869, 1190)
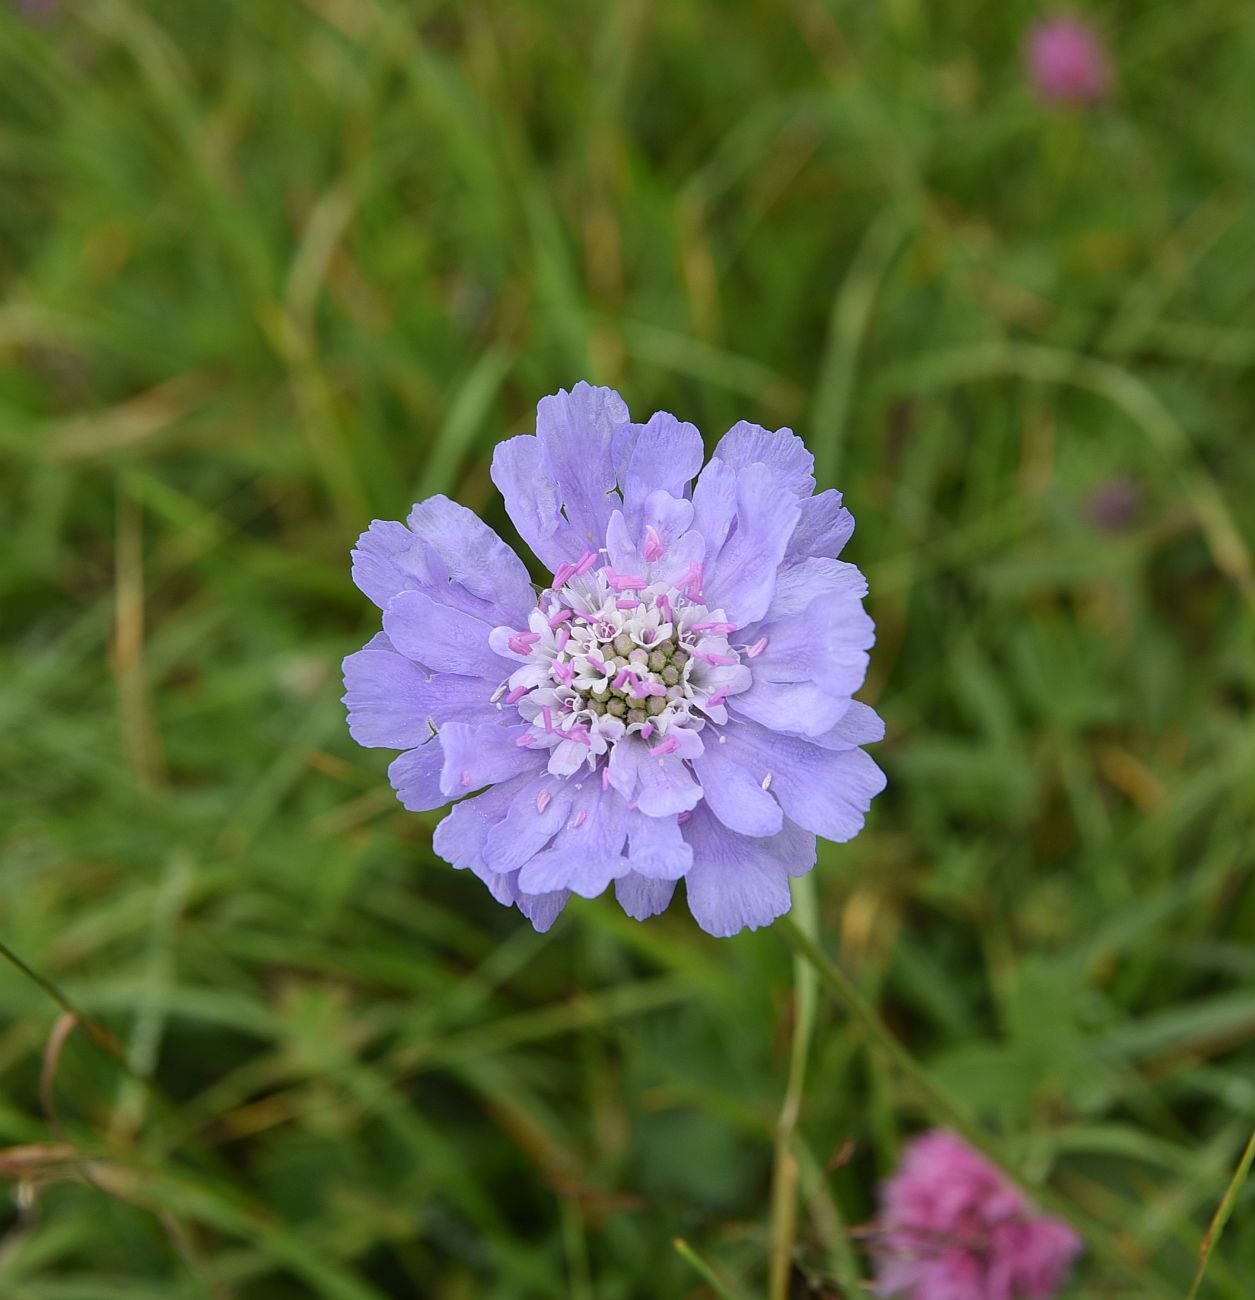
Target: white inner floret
(611, 657)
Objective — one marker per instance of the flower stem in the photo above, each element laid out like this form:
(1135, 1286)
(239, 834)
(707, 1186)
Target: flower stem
(944, 1111)
(784, 1179)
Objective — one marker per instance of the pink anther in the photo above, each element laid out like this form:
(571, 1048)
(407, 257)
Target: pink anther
(546, 717)
(626, 604)
(516, 694)
(543, 800)
(647, 730)
(564, 635)
(522, 642)
(625, 581)
(466, 777)
(561, 617)
(563, 574)
(654, 549)
(525, 740)
(605, 777)
(578, 820)
(587, 560)
(714, 627)
(757, 648)
(664, 604)
(715, 661)
(667, 746)
(717, 698)
(563, 672)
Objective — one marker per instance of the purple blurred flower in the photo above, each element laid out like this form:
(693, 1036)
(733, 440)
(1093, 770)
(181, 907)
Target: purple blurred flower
(675, 703)
(1113, 505)
(953, 1228)
(1067, 62)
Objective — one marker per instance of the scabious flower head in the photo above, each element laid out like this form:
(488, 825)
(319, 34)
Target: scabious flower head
(1067, 62)
(676, 703)
(953, 1228)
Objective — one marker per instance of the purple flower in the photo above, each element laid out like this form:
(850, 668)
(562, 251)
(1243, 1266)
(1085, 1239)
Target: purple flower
(1113, 505)
(953, 1228)
(675, 703)
(1067, 62)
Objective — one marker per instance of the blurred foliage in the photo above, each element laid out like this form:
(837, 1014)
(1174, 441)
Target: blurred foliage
(271, 268)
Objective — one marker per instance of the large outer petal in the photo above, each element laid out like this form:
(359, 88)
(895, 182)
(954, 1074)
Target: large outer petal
(391, 699)
(462, 836)
(824, 528)
(559, 486)
(781, 450)
(740, 578)
(656, 847)
(442, 638)
(476, 558)
(661, 786)
(587, 853)
(530, 824)
(737, 882)
(641, 897)
(858, 725)
(734, 795)
(825, 790)
(484, 754)
(664, 454)
(827, 643)
(445, 546)
(415, 776)
(388, 558)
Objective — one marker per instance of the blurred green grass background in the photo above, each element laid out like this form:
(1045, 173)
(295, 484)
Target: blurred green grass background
(273, 267)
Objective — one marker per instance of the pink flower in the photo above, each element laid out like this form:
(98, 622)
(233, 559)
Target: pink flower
(953, 1228)
(1067, 62)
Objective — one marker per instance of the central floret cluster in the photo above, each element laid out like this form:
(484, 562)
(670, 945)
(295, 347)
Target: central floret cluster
(610, 655)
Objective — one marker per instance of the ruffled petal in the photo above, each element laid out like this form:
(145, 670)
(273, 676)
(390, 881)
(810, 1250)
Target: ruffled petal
(576, 431)
(442, 638)
(824, 528)
(735, 882)
(800, 583)
(656, 847)
(394, 704)
(641, 897)
(476, 756)
(660, 786)
(415, 776)
(741, 578)
(664, 454)
(734, 796)
(824, 790)
(587, 853)
(448, 549)
(533, 500)
(540, 909)
(826, 644)
(800, 708)
(858, 725)
(462, 836)
(475, 558)
(388, 558)
(781, 450)
(714, 504)
(536, 814)
(386, 697)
